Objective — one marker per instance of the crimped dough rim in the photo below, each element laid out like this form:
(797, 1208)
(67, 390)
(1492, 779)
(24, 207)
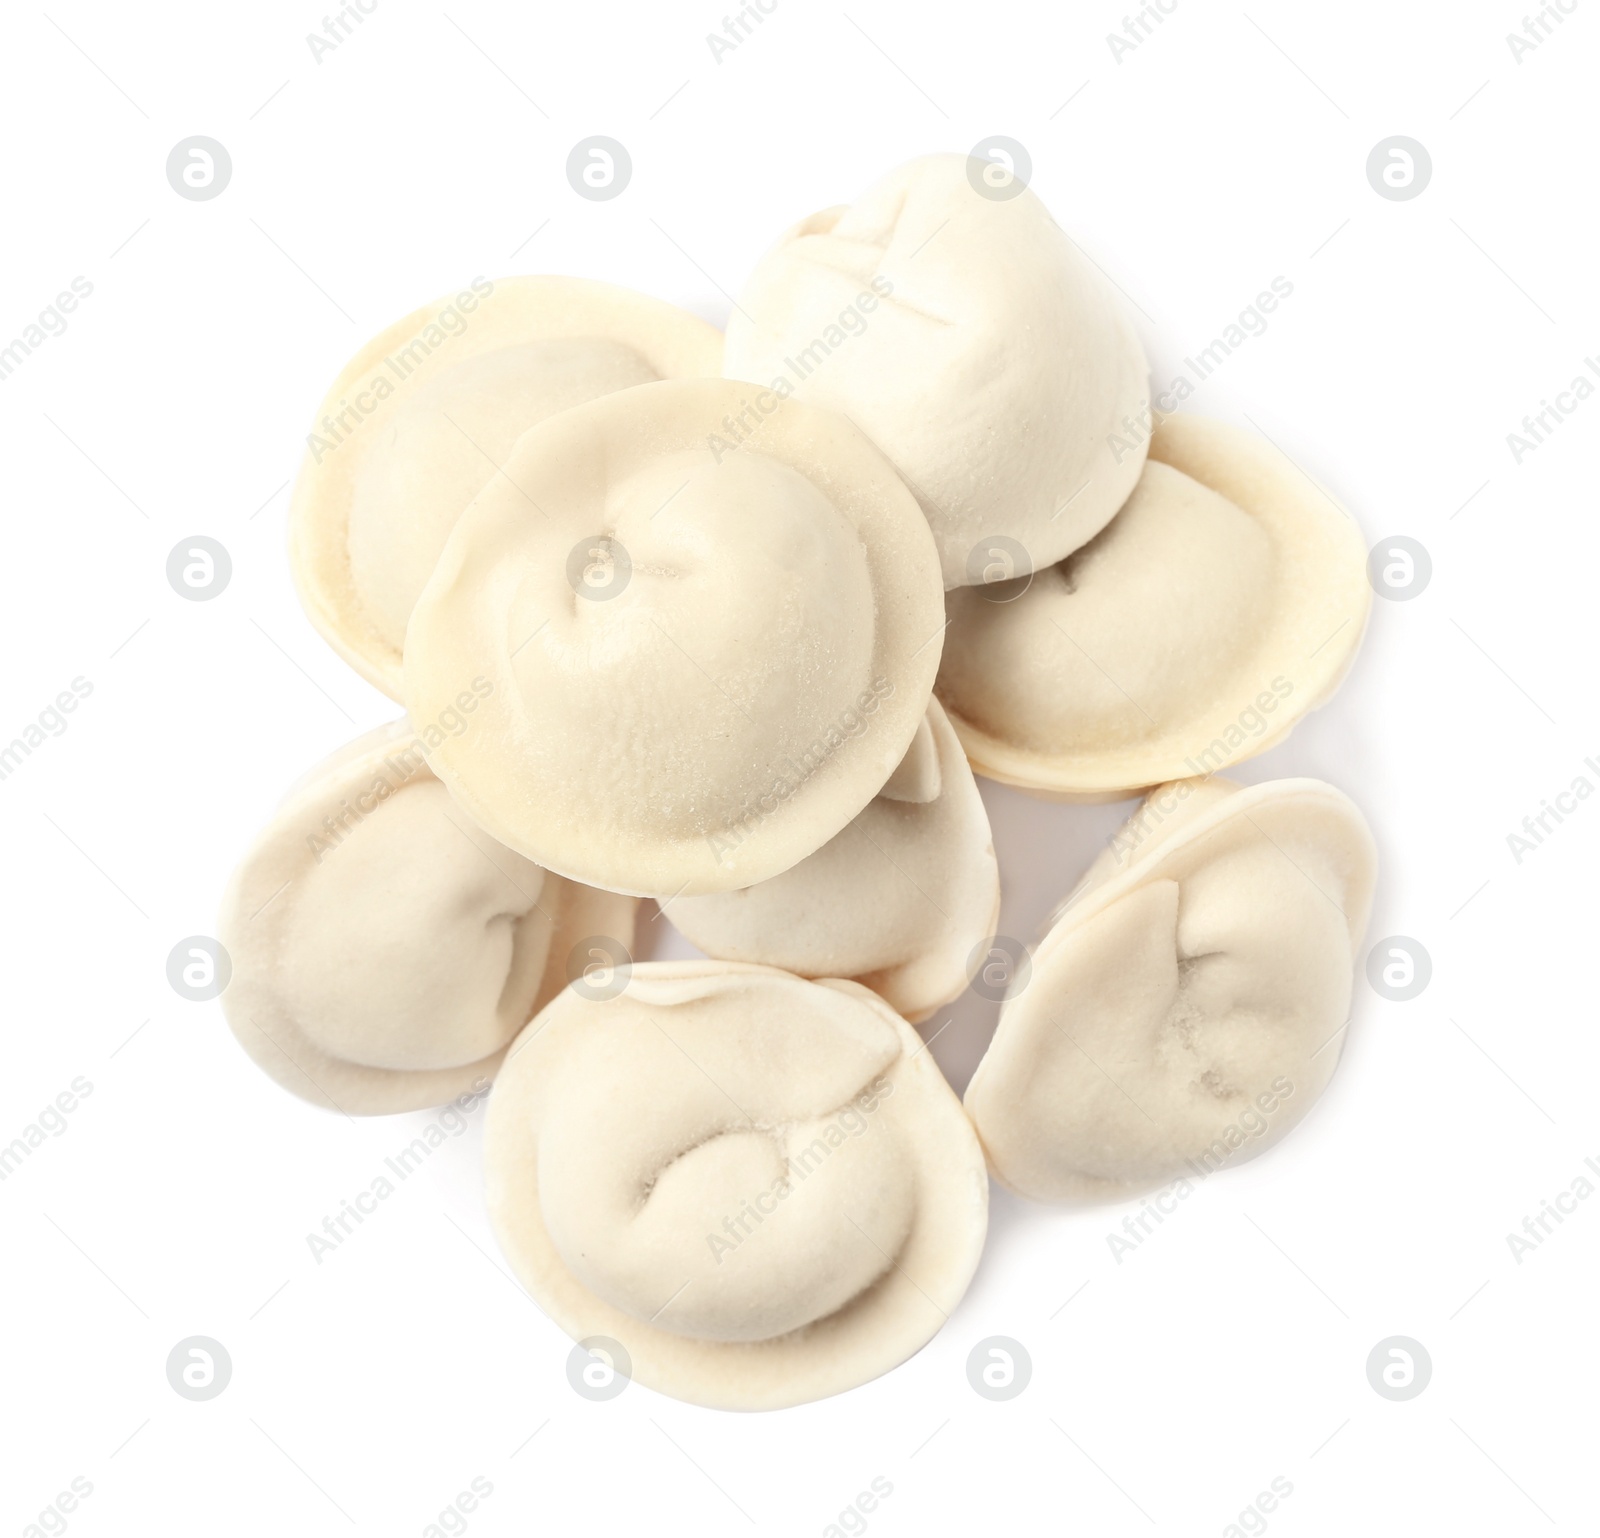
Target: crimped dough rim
(1100, 889)
(523, 309)
(273, 1040)
(1322, 551)
(894, 1318)
(650, 420)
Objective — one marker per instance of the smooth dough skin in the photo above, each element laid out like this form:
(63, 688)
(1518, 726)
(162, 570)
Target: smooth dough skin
(704, 657)
(972, 341)
(761, 1187)
(1187, 1005)
(895, 902)
(424, 416)
(1225, 601)
(385, 950)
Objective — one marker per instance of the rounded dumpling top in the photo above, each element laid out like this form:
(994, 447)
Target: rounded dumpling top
(703, 655)
(425, 415)
(761, 1187)
(897, 901)
(973, 342)
(385, 950)
(1186, 1006)
(1224, 601)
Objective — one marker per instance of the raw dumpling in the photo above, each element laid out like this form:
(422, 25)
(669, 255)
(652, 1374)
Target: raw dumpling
(973, 342)
(897, 901)
(385, 950)
(425, 415)
(1222, 603)
(761, 1187)
(703, 658)
(1188, 1003)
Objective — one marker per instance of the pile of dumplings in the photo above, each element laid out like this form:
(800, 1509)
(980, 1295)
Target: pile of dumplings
(730, 622)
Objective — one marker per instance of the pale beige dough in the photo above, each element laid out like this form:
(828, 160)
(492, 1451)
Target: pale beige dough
(702, 661)
(897, 901)
(385, 949)
(973, 342)
(1225, 600)
(761, 1187)
(1187, 1004)
(423, 417)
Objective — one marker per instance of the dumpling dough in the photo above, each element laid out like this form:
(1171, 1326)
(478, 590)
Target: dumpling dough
(1188, 1004)
(1222, 603)
(423, 416)
(704, 659)
(761, 1187)
(993, 373)
(897, 901)
(385, 950)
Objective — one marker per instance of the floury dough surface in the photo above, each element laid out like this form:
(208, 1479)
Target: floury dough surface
(897, 901)
(972, 341)
(682, 699)
(385, 949)
(444, 444)
(1225, 600)
(1187, 1004)
(425, 416)
(761, 1187)
(732, 624)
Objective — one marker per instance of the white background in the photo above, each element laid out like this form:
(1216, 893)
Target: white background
(1226, 149)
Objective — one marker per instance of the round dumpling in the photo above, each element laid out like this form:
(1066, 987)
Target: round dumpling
(973, 342)
(1187, 1004)
(896, 902)
(1222, 603)
(761, 1188)
(425, 415)
(707, 643)
(385, 950)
